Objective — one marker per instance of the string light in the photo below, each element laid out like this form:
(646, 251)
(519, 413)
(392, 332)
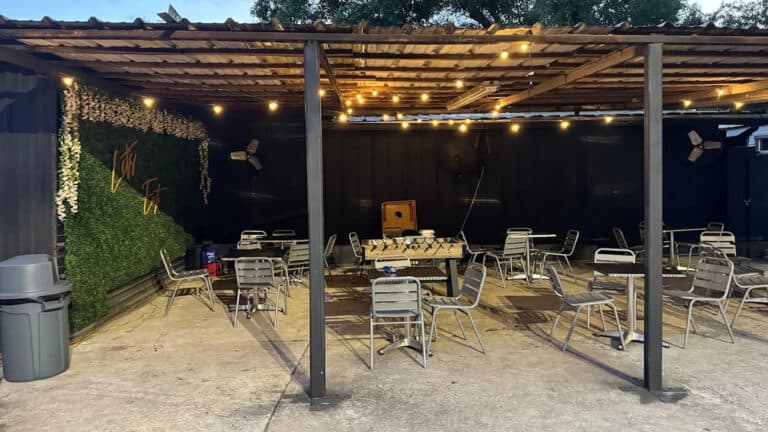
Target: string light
(525, 46)
(608, 119)
(435, 123)
(385, 117)
(67, 81)
(405, 125)
(273, 106)
(495, 113)
(360, 99)
(418, 120)
(687, 103)
(514, 128)
(217, 109)
(565, 124)
(450, 122)
(343, 118)
(738, 105)
(459, 84)
(424, 97)
(375, 93)
(148, 102)
(349, 111)
(348, 102)
(463, 128)
(720, 93)
(399, 116)
(321, 92)
(467, 120)
(504, 55)
(395, 99)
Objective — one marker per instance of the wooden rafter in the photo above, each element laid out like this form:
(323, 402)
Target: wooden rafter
(326, 66)
(576, 74)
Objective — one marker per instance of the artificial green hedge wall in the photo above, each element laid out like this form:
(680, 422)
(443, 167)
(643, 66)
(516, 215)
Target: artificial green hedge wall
(110, 242)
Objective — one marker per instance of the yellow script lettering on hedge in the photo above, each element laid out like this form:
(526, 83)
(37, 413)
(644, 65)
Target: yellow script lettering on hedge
(152, 195)
(127, 165)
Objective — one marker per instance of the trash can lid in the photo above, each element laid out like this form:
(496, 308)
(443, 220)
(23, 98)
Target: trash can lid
(29, 276)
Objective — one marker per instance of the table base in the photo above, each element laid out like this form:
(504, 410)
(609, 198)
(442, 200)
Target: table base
(403, 342)
(629, 337)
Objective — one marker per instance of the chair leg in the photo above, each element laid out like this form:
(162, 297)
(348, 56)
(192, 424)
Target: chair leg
(557, 318)
(237, 306)
(370, 365)
(589, 314)
(501, 274)
(602, 317)
(173, 296)
(687, 324)
(432, 329)
(423, 342)
(725, 321)
(277, 306)
(477, 333)
(570, 330)
(741, 305)
(209, 286)
(570, 268)
(618, 323)
(461, 326)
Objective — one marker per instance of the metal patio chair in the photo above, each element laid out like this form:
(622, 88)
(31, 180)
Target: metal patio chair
(249, 239)
(577, 301)
(256, 276)
(601, 283)
(297, 261)
(398, 300)
(357, 250)
(468, 299)
(180, 277)
(474, 253)
(514, 252)
(713, 276)
(569, 246)
(329, 251)
(749, 283)
(715, 226)
(725, 243)
(621, 242)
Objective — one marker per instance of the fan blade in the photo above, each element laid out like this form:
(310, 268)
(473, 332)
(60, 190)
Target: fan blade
(255, 162)
(695, 154)
(253, 146)
(695, 138)
(238, 155)
(712, 145)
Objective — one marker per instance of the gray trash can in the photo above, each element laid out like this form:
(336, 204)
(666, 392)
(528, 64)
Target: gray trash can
(34, 318)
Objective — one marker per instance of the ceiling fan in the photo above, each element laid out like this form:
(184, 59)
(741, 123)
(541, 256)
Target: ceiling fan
(248, 155)
(700, 145)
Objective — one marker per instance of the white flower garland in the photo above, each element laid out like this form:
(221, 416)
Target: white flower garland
(90, 104)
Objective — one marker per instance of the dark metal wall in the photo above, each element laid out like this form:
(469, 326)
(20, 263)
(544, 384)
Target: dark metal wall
(589, 177)
(28, 107)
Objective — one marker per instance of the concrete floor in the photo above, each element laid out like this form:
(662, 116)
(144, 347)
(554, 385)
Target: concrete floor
(190, 370)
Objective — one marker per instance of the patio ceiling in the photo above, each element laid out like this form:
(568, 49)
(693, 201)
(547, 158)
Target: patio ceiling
(248, 65)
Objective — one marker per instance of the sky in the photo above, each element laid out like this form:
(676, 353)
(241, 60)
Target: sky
(128, 10)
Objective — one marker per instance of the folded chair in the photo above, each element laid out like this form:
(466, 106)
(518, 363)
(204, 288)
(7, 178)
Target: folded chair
(180, 277)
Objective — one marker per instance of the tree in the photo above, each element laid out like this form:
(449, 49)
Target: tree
(487, 12)
(565, 12)
(691, 15)
(289, 11)
(639, 13)
(742, 13)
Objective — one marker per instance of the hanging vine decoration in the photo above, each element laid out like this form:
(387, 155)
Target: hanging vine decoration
(87, 103)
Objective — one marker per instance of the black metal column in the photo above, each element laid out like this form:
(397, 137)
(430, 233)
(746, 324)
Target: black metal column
(653, 216)
(314, 132)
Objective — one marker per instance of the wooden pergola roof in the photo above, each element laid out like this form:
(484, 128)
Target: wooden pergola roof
(247, 65)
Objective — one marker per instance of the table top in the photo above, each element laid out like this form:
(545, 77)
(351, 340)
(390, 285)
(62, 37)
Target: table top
(677, 230)
(629, 269)
(425, 273)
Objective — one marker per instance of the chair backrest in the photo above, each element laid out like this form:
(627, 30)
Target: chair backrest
(396, 295)
(394, 261)
(618, 235)
(298, 255)
(555, 282)
(714, 274)
(724, 241)
(515, 245)
(569, 245)
(715, 226)
(329, 246)
(524, 230)
(249, 239)
(474, 280)
(254, 271)
(166, 259)
(461, 236)
(354, 240)
(613, 255)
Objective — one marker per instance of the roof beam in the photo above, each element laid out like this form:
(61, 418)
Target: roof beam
(382, 38)
(738, 90)
(329, 74)
(51, 69)
(470, 96)
(576, 74)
